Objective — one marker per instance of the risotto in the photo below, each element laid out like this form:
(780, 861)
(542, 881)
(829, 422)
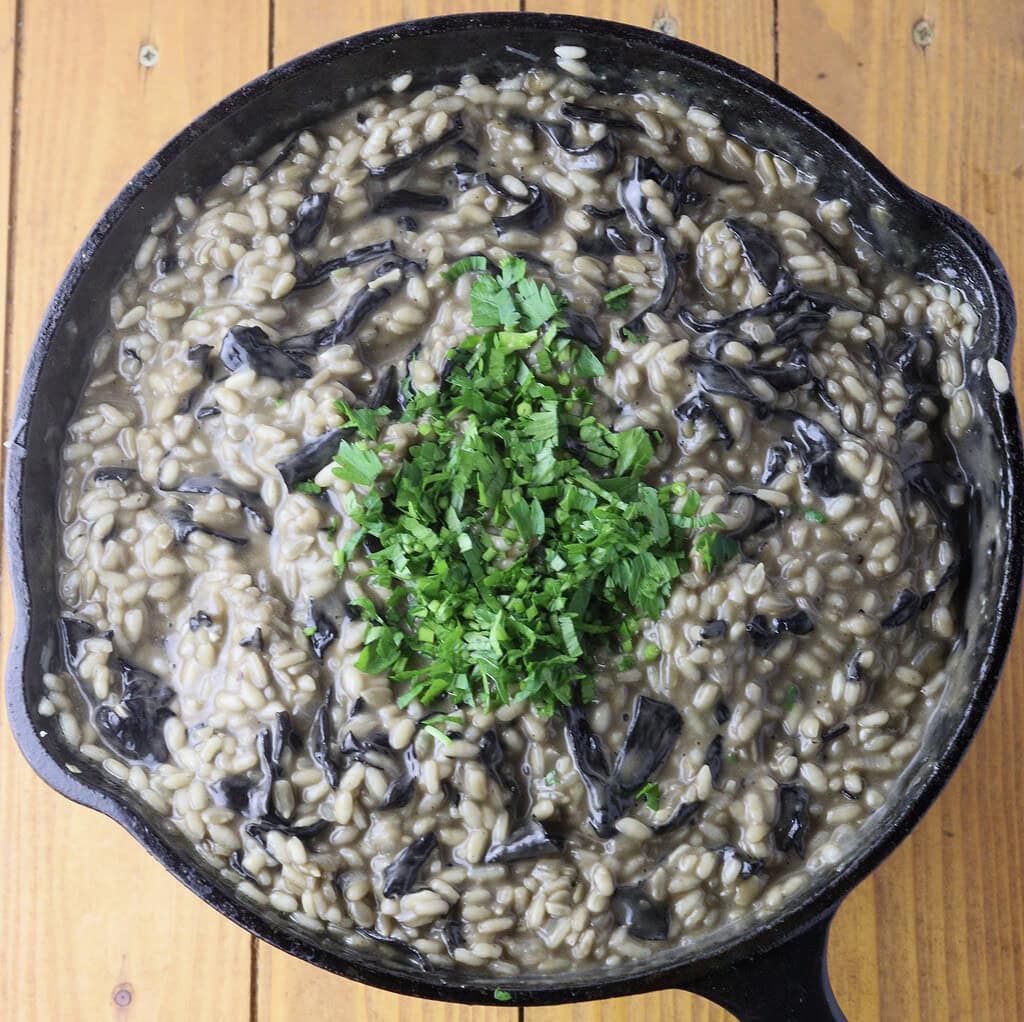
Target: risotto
(513, 525)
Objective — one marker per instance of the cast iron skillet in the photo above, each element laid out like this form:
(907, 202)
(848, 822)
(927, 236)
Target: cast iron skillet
(776, 968)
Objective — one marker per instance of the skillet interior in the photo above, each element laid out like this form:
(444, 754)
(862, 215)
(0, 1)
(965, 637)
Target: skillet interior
(919, 235)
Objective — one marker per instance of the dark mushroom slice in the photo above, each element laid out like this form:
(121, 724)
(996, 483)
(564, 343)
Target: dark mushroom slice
(199, 620)
(324, 630)
(683, 814)
(713, 629)
(406, 951)
(749, 866)
(643, 917)
(581, 328)
(402, 200)
(212, 483)
(799, 622)
(357, 257)
(184, 525)
(303, 831)
(654, 729)
(535, 216)
(600, 157)
(362, 304)
(284, 154)
(790, 829)
(72, 632)
(207, 412)
(532, 841)
(114, 474)
(494, 760)
(722, 712)
(399, 791)
(309, 218)
(817, 450)
(403, 163)
(597, 115)
(762, 516)
(760, 251)
(255, 641)
(906, 606)
(591, 762)
(403, 874)
(248, 347)
(135, 727)
(385, 390)
(774, 463)
(834, 733)
(696, 407)
(452, 933)
(761, 632)
(235, 862)
(322, 748)
(713, 758)
(311, 458)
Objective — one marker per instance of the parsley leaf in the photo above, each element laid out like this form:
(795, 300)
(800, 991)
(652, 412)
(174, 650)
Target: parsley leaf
(791, 699)
(502, 995)
(618, 299)
(813, 515)
(357, 464)
(366, 421)
(651, 794)
(633, 338)
(465, 265)
(308, 487)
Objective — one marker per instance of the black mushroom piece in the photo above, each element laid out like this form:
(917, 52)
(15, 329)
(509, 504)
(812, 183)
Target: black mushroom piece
(453, 934)
(402, 200)
(906, 605)
(324, 630)
(698, 407)
(309, 459)
(749, 866)
(683, 814)
(581, 328)
(184, 525)
(713, 758)
(761, 516)
(206, 484)
(713, 630)
(761, 632)
(360, 306)
(322, 749)
(653, 731)
(643, 917)
(600, 157)
(399, 791)
(723, 380)
(817, 450)
(534, 216)
(385, 393)
(790, 829)
(403, 874)
(199, 620)
(760, 251)
(309, 218)
(505, 773)
(532, 841)
(248, 347)
(357, 257)
(135, 727)
(774, 463)
(597, 115)
(403, 163)
(403, 950)
(250, 794)
(764, 633)
(114, 474)
(634, 202)
(914, 359)
(283, 155)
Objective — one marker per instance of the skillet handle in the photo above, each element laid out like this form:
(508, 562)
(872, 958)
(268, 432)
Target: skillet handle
(788, 983)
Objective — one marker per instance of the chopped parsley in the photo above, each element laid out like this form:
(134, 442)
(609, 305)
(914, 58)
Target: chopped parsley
(366, 421)
(309, 487)
(791, 699)
(502, 995)
(465, 265)
(551, 778)
(309, 630)
(332, 527)
(651, 652)
(618, 300)
(518, 535)
(813, 515)
(651, 794)
(632, 337)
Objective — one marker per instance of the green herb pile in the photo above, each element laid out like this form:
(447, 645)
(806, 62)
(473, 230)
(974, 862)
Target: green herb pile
(518, 533)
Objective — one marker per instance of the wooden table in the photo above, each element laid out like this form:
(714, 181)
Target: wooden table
(90, 927)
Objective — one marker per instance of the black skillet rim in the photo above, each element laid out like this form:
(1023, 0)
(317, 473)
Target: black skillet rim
(779, 928)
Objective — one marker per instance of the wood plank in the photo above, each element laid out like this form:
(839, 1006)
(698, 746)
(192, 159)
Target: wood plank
(287, 987)
(301, 25)
(934, 90)
(101, 929)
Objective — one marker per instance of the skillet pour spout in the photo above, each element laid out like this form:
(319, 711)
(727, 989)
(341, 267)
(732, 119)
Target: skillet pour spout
(768, 971)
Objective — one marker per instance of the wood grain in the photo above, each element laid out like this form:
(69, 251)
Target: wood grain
(934, 89)
(86, 914)
(937, 932)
